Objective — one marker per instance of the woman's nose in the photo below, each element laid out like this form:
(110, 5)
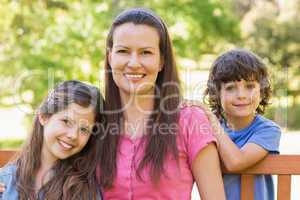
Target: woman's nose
(134, 61)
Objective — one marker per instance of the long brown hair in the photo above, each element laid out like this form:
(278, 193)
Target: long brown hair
(158, 146)
(235, 65)
(74, 177)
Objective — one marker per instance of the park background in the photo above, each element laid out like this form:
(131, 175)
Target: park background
(45, 42)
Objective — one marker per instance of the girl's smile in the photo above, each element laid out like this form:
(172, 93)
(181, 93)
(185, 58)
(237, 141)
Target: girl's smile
(66, 132)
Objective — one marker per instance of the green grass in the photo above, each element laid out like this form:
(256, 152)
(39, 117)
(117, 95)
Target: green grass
(11, 143)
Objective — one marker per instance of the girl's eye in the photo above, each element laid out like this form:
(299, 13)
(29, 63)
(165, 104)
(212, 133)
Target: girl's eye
(84, 130)
(67, 122)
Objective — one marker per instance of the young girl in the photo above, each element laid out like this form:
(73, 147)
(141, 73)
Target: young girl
(238, 91)
(153, 149)
(58, 160)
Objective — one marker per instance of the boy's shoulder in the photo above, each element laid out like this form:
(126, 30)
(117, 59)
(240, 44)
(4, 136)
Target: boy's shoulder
(261, 123)
(266, 134)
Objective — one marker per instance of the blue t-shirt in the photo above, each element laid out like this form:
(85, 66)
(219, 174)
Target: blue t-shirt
(266, 134)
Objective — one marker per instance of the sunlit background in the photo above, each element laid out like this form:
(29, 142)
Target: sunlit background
(45, 42)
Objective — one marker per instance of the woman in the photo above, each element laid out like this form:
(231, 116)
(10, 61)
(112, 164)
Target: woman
(154, 148)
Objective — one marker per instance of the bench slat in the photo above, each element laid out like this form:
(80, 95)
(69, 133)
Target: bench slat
(284, 187)
(5, 156)
(247, 187)
(274, 164)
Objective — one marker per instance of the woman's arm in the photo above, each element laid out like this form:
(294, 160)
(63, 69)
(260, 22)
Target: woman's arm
(207, 174)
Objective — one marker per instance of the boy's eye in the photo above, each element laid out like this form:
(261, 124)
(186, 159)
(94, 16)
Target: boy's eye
(229, 87)
(250, 86)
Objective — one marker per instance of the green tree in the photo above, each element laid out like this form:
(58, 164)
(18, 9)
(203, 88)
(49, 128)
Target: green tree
(43, 42)
(271, 29)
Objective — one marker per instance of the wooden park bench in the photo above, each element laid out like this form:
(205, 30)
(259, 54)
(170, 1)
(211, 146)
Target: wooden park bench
(5, 156)
(282, 165)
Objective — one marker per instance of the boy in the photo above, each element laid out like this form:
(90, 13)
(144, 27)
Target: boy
(238, 91)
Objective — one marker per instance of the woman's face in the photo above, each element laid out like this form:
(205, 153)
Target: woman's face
(135, 58)
(66, 132)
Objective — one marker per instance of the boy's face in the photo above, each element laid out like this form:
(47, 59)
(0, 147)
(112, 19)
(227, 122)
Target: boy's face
(239, 99)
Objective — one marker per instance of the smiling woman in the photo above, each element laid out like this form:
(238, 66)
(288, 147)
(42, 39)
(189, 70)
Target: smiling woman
(159, 148)
(135, 63)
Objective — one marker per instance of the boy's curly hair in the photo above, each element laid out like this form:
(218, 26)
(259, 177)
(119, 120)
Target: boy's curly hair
(235, 65)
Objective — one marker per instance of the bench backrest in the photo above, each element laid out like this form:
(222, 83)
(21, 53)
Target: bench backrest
(5, 156)
(282, 165)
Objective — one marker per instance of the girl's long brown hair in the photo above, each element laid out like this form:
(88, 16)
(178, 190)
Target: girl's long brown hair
(74, 177)
(166, 105)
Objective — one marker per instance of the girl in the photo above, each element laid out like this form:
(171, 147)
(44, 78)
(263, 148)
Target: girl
(58, 160)
(154, 149)
(238, 91)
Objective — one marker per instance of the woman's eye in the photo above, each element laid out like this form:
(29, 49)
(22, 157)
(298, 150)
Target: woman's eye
(121, 51)
(146, 52)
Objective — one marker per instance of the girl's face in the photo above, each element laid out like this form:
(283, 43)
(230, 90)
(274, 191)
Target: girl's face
(240, 99)
(135, 58)
(66, 132)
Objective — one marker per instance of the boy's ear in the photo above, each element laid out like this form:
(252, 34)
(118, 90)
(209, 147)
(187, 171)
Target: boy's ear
(43, 119)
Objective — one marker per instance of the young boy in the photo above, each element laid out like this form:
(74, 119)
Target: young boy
(238, 91)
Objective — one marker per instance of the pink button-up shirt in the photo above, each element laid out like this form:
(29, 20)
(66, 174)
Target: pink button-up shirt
(194, 134)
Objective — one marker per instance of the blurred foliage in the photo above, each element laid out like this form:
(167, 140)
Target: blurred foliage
(287, 116)
(11, 144)
(44, 42)
(271, 29)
